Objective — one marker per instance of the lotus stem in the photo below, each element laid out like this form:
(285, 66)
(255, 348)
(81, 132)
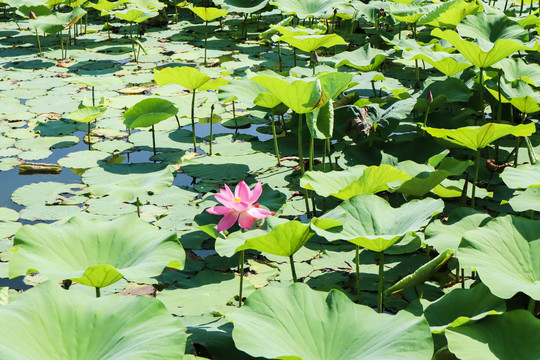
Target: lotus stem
(457, 270)
(518, 144)
(154, 139)
(205, 39)
(329, 156)
(279, 56)
(276, 148)
(211, 128)
(381, 283)
(324, 157)
(177, 121)
(98, 292)
(373, 88)
(234, 116)
(301, 160)
(476, 168)
(61, 45)
(294, 55)
(132, 43)
(93, 97)
(482, 95)
(521, 7)
(293, 270)
(358, 293)
(88, 137)
(499, 108)
(138, 204)
(241, 264)
(38, 43)
(532, 305)
(193, 121)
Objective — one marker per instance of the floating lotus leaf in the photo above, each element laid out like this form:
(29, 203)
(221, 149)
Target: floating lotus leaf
(127, 182)
(209, 13)
(149, 112)
(505, 337)
(364, 58)
(83, 159)
(310, 43)
(353, 181)
(505, 254)
(95, 252)
(308, 8)
(331, 331)
(369, 221)
(477, 137)
(41, 193)
(447, 235)
(72, 325)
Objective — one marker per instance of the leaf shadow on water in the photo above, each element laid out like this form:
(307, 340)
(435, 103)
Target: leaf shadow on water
(30, 64)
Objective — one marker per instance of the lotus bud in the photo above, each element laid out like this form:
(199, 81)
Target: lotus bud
(32, 15)
(315, 57)
(429, 98)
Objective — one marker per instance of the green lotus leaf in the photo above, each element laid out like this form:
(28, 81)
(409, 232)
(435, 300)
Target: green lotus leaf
(243, 90)
(421, 275)
(369, 221)
(134, 14)
(477, 137)
(331, 331)
(7, 214)
(505, 254)
(447, 91)
(56, 22)
(73, 325)
(459, 307)
(487, 29)
(281, 239)
(517, 69)
(41, 193)
(128, 181)
(149, 112)
(301, 95)
(520, 94)
(242, 6)
(106, 6)
(310, 43)
(148, 4)
(449, 14)
(267, 100)
(448, 64)
(95, 252)
(97, 81)
(527, 200)
(364, 58)
(185, 76)
(505, 337)
(83, 159)
(409, 13)
(308, 8)
(447, 235)
(475, 54)
(424, 177)
(334, 83)
(353, 181)
(87, 114)
(320, 122)
(209, 13)
(522, 177)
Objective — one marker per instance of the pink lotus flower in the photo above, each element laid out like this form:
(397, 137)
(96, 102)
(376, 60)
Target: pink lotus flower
(239, 206)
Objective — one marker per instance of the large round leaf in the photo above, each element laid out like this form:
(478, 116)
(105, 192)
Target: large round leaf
(295, 322)
(242, 6)
(510, 336)
(149, 112)
(308, 8)
(49, 323)
(95, 252)
(506, 254)
(371, 222)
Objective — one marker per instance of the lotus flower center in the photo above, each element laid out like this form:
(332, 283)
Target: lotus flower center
(237, 200)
